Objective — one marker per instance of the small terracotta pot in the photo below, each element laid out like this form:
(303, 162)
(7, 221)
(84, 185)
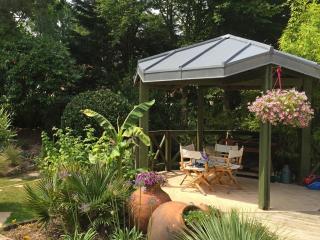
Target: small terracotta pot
(143, 202)
(168, 219)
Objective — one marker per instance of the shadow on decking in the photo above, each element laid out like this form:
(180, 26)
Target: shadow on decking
(284, 197)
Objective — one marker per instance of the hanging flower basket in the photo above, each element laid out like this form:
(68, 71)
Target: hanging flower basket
(287, 107)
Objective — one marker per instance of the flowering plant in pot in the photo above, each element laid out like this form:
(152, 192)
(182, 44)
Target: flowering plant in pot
(287, 107)
(149, 180)
(146, 198)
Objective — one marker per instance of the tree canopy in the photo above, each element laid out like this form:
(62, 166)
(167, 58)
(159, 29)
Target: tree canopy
(302, 35)
(94, 44)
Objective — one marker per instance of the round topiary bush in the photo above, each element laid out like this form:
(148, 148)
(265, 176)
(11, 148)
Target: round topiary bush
(111, 105)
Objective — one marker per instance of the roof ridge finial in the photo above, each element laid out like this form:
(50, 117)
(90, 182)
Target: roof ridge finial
(271, 50)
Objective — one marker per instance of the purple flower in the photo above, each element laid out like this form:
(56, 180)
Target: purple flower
(148, 179)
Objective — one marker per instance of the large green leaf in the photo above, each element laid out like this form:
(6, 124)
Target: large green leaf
(137, 132)
(102, 121)
(137, 112)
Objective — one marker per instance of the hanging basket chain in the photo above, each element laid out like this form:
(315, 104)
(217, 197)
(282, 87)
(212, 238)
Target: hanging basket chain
(278, 80)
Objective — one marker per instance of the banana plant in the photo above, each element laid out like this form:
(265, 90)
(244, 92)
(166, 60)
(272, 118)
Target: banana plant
(121, 136)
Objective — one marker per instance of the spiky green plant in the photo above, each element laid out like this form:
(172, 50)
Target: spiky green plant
(12, 154)
(125, 234)
(89, 235)
(94, 197)
(226, 226)
(44, 198)
(6, 132)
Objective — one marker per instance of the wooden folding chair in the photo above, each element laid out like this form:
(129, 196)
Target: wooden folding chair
(227, 166)
(187, 152)
(223, 150)
(198, 174)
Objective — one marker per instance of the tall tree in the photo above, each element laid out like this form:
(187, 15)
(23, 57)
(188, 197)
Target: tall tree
(302, 35)
(37, 76)
(91, 45)
(13, 15)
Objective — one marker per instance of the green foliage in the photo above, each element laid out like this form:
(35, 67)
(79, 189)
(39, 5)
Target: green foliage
(6, 132)
(38, 76)
(125, 234)
(110, 104)
(193, 216)
(43, 196)
(11, 154)
(89, 235)
(302, 34)
(250, 123)
(65, 150)
(115, 145)
(226, 226)
(81, 199)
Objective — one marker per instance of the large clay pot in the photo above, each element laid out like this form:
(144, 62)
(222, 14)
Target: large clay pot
(143, 202)
(167, 220)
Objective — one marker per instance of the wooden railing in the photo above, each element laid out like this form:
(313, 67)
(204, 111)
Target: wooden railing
(165, 144)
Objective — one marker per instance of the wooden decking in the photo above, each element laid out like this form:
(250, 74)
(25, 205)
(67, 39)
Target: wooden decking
(295, 210)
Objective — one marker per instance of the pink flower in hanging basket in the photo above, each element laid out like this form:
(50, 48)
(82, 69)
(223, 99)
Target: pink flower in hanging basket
(287, 107)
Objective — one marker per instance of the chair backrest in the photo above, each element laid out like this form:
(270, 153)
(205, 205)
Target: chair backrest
(220, 148)
(189, 152)
(190, 147)
(235, 156)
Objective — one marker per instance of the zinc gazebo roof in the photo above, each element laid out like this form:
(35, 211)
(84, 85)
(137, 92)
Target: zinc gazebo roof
(223, 61)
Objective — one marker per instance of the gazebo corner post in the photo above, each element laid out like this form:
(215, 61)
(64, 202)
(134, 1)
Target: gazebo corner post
(265, 152)
(305, 159)
(142, 160)
(200, 118)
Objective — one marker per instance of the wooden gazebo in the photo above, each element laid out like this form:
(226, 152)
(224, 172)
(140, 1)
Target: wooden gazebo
(229, 62)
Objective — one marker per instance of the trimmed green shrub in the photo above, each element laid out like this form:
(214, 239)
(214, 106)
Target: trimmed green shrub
(115, 107)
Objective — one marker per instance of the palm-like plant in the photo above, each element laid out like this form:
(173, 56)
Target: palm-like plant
(227, 226)
(81, 199)
(121, 138)
(125, 234)
(89, 235)
(43, 197)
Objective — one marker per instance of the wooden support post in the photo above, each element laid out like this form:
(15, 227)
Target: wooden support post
(142, 160)
(168, 151)
(265, 153)
(200, 119)
(305, 161)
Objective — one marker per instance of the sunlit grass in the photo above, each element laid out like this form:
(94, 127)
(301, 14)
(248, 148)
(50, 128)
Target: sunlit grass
(12, 196)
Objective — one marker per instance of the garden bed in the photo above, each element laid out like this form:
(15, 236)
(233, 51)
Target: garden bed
(31, 230)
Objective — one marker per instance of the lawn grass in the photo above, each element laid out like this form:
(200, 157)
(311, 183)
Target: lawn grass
(12, 197)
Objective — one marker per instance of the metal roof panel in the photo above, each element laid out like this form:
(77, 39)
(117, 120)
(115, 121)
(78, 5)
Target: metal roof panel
(219, 54)
(178, 58)
(219, 58)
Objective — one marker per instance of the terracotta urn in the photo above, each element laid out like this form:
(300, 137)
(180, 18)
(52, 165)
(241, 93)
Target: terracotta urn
(143, 202)
(168, 219)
